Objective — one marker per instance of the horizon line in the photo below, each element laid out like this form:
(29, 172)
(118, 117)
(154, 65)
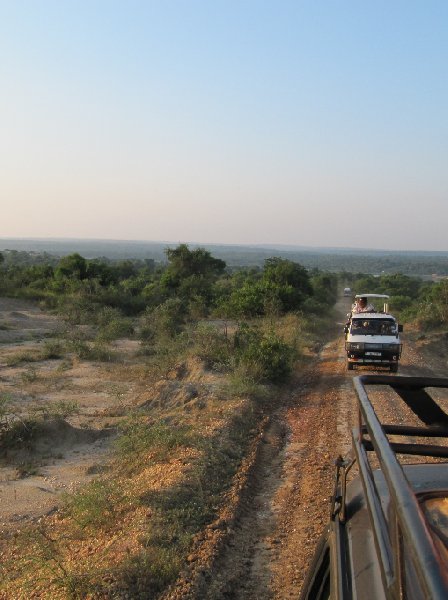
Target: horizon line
(258, 245)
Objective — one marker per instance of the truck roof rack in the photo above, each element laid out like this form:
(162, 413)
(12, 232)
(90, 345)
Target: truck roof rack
(403, 527)
(372, 296)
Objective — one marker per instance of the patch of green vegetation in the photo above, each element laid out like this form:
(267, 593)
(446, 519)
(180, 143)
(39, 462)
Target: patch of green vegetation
(240, 384)
(29, 376)
(52, 349)
(95, 505)
(5, 409)
(27, 469)
(43, 552)
(65, 365)
(139, 437)
(97, 351)
(263, 356)
(22, 356)
(150, 572)
(212, 346)
(113, 325)
(19, 433)
(55, 411)
(49, 350)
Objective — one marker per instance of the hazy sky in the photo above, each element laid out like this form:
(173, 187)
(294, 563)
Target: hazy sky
(321, 123)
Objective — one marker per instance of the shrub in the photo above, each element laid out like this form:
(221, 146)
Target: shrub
(400, 303)
(97, 351)
(19, 433)
(139, 436)
(263, 355)
(80, 348)
(164, 321)
(148, 573)
(52, 349)
(94, 505)
(113, 325)
(29, 375)
(60, 410)
(212, 346)
(5, 409)
(20, 357)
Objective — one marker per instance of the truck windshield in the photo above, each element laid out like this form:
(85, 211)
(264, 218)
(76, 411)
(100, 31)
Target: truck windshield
(373, 327)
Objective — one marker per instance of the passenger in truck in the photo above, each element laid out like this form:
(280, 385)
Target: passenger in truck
(361, 305)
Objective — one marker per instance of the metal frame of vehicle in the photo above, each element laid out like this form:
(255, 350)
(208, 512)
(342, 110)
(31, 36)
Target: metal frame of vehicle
(380, 542)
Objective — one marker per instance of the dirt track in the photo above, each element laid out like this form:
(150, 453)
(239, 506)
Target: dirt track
(268, 551)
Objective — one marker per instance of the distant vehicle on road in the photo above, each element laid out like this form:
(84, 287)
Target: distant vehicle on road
(372, 337)
(347, 291)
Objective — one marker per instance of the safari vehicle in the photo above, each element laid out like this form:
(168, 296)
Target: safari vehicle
(372, 337)
(347, 291)
(387, 537)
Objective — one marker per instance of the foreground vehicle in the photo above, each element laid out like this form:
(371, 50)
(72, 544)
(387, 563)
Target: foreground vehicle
(372, 337)
(388, 532)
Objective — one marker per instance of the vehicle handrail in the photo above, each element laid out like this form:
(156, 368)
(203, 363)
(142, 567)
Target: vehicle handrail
(404, 504)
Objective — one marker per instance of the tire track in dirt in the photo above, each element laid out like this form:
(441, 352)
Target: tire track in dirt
(320, 422)
(267, 553)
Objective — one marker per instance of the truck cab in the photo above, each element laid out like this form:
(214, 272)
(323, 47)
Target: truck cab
(372, 337)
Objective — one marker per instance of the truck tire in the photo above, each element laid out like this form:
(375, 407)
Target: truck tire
(350, 366)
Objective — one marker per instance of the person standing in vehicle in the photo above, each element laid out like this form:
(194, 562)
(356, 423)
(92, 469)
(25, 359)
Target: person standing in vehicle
(361, 305)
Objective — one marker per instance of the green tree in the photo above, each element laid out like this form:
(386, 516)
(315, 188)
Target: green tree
(73, 266)
(247, 301)
(191, 272)
(432, 309)
(325, 287)
(287, 282)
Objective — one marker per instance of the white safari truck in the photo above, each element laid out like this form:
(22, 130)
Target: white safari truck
(372, 336)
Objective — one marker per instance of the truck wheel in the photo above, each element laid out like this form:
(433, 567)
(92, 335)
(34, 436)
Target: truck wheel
(350, 366)
(393, 368)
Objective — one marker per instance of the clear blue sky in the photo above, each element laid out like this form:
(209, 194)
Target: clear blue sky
(321, 123)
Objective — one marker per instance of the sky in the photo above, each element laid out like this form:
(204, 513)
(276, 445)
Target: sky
(316, 123)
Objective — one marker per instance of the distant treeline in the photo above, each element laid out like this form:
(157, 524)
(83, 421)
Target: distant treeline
(192, 284)
(197, 281)
(422, 264)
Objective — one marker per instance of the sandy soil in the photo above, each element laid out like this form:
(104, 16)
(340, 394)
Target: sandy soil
(65, 455)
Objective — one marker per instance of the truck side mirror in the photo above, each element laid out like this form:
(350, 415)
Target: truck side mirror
(400, 328)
